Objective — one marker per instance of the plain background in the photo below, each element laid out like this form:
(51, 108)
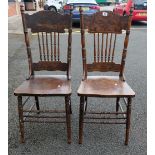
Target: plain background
(150, 77)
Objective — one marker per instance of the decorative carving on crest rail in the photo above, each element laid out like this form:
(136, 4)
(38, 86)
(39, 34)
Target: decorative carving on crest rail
(105, 22)
(47, 21)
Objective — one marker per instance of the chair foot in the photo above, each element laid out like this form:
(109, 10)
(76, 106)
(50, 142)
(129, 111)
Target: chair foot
(80, 142)
(22, 141)
(69, 142)
(21, 122)
(126, 143)
(128, 121)
(68, 118)
(81, 118)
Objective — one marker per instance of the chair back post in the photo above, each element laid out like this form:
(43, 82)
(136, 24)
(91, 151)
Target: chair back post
(31, 72)
(69, 46)
(83, 44)
(125, 46)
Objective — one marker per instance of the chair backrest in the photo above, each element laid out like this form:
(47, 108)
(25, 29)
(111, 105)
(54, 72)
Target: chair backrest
(48, 27)
(104, 27)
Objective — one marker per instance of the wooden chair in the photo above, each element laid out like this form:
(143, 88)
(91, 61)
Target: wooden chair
(104, 28)
(48, 27)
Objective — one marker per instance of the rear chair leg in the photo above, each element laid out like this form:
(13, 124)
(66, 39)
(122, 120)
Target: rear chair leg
(70, 106)
(37, 104)
(81, 118)
(68, 118)
(85, 105)
(128, 121)
(117, 104)
(21, 122)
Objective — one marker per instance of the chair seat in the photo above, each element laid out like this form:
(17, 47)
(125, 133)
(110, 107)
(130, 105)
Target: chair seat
(110, 86)
(45, 85)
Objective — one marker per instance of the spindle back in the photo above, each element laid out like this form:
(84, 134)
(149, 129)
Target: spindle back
(105, 26)
(48, 27)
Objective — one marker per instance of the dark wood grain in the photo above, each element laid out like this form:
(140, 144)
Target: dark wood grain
(111, 23)
(50, 66)
(47, 25)
(42, 85)
(40, 22)
(105, 86)
(103, 67)
(107, 26)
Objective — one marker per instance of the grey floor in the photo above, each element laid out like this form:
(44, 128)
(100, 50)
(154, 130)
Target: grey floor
(49, 139)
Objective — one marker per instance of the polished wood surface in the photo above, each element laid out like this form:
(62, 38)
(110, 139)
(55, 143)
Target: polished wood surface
(105, 27)
(47, 25)
(105, 86)
(50, 66)
(104, 67)
(45, 85)
(40, 21)
(105, 21)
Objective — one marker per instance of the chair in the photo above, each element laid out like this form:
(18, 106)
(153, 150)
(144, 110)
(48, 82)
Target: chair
(48, 27)
(104, 27)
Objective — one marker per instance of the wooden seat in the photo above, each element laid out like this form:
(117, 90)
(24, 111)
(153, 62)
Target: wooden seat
(45, 85)
(108, 55)
(45, 54)
(106, 86)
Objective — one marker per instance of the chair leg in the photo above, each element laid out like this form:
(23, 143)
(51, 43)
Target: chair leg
(85, 105)
(117, 104)
(21, 122)
(128, 121)
(68, 118)
(37, 103)
(81, 118)
(70, 106)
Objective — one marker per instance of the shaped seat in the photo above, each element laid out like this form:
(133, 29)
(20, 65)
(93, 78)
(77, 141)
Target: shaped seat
(45, 85)
(106, 86)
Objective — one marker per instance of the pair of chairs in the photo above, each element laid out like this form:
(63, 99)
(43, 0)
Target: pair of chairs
(50, 27)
